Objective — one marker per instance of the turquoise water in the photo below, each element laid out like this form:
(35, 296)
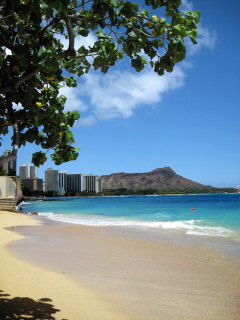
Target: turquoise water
(213, 215)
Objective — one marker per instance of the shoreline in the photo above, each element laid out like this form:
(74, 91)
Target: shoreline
(222, 237)
(40, 293)
(42, 198)
(139, 278)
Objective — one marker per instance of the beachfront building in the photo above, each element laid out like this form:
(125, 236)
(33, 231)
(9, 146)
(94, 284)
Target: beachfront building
(33, 184)
(75, 182)
(51, 180)
(238, 189)
(28, 171)
(9, 166)
(78, 182)
(62, 182)
(98, 184)
(92, 183)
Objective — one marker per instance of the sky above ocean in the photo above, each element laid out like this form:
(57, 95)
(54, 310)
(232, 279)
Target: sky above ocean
(187, 120)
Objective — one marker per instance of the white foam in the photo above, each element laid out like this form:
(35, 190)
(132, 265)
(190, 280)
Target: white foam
(23, 202)
(47, 214)
(210, 231)
(190, 227)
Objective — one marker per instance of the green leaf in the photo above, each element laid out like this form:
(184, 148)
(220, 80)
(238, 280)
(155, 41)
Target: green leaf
(44, 66)
(132, 34)
(181, 30)
(135, 6)
(161, 20)
(39, 158)
(169, 14)
(71, 81)
(161, 72)
(194, 41)
(193, 33)
(144, 14)
(113, 3)
(75, 115)
(42, 51)
(196, 16)
(120, 54)
(138, 63)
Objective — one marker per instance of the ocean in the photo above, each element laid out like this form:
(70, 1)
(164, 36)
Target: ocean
(215, 215)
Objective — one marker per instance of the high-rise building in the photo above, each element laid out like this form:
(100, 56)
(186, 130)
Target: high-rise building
(98, 184)
(92, 183)
(9, 166)
(28, 171)
(62, 176)
(78, 182)
(75, 182)
(51, 180)
(33, 184)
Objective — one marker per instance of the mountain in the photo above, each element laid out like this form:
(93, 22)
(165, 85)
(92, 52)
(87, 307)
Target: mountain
(160, 178)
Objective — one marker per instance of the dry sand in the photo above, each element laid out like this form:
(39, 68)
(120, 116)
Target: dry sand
(27, 291)
(110, 276)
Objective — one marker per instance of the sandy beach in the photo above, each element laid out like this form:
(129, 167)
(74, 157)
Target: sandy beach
(75, 272)
(27, 291)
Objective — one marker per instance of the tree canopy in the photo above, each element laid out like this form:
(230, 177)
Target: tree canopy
(34, 64)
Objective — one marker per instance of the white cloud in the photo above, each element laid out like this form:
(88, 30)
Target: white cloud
(73, 101)
(17, 106)
(87, 121)
(8, 52)
(187, 5)
(206, 39)
(78, 41)
(120, 93)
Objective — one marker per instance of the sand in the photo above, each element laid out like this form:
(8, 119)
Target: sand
(97, 273)
(28, 291)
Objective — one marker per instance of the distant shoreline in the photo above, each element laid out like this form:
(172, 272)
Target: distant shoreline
(55, 198)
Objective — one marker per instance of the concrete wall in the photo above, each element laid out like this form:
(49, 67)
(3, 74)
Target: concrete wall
(7, 187)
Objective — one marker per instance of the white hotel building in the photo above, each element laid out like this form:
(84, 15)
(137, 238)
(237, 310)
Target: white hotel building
(28, 171)
(76, 182)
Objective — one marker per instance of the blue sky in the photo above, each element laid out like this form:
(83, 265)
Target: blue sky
(187, 120)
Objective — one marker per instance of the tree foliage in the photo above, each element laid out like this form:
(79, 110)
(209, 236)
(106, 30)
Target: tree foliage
(34, 63)
(151, 191)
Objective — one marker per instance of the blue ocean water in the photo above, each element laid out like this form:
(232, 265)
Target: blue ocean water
(213, 215)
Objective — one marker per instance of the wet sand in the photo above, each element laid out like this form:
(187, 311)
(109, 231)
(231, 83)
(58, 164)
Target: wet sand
(139, 279)
(28, 291)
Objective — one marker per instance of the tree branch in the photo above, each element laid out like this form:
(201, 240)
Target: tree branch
(77, 15)
(49, 25)
(70, 52)
(14, 125)
(12, 86)
(71, 34)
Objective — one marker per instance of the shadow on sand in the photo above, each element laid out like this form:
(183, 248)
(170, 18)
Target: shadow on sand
(25, 308)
